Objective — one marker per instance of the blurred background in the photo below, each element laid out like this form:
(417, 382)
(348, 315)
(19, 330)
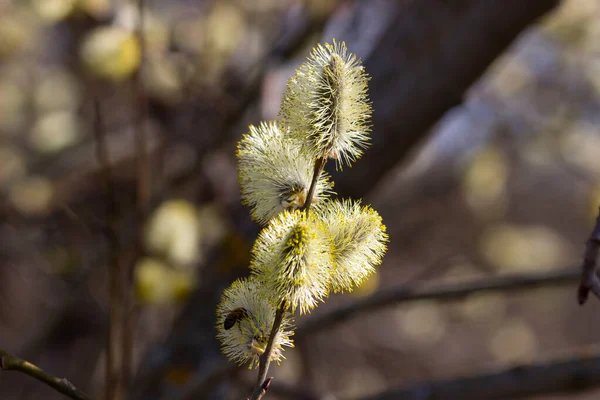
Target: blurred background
(485, 163)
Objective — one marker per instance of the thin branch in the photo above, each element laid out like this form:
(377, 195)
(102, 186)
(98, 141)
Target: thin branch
(589, 279)
(293, 392)
(139, 110)
(262, 383)
(577, 372)
(262, 390)
(449, 291)
(111, 233)
(8, 362)
(319, 165)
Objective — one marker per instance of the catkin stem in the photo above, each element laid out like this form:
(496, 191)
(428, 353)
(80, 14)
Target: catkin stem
(265, 358)
(319, 165)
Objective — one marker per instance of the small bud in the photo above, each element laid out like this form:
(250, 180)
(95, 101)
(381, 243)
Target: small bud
(274, 173)
(327, 105)
(292, 257)
(244, 321)
(359, 242)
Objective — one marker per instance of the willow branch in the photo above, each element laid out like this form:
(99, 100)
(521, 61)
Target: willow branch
(579, 371)
(589, 278)
(262, 382)
(449, 291)
(8, 362)
(319, 165)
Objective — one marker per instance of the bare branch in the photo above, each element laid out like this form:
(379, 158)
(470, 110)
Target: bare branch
(453, 291)
(575, 373)
(8, 362)
(112, 237)
(589, 279)
(143, 192)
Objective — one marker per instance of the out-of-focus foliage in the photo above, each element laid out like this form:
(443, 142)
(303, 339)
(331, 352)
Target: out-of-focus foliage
(158, 283)
(54, 131)
(523, 248)
(32, 196)
(423, 323)
(484, 182)
(174, 231)
(514, 342)
(111, 52)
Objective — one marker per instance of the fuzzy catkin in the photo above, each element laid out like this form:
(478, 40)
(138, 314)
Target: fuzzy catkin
(327, 105)
(247, 338)
(359, 242)
(292, 258)
(275, 173)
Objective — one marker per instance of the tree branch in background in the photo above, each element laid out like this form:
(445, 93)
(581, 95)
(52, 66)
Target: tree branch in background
(577, 372)
(389, 298)
(9, 362)
(143, 193)
(111, 233)
(450, 291)
(423, 65)
(589, 279)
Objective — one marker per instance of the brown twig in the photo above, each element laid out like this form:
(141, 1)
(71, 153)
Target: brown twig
(111, 233)
(263, 388)
(589, 279)
(262, 383)
(573, 373)
(319, 165)
(8, 362)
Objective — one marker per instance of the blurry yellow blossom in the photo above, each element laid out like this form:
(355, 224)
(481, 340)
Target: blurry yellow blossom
(517, 248)
(368, 287)
(158, 283)
(484, 181)
(174, 231)
(110, 52)
(54, 131)
(422, 322)
(514, 341)
(32, 196)
(53, 10)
